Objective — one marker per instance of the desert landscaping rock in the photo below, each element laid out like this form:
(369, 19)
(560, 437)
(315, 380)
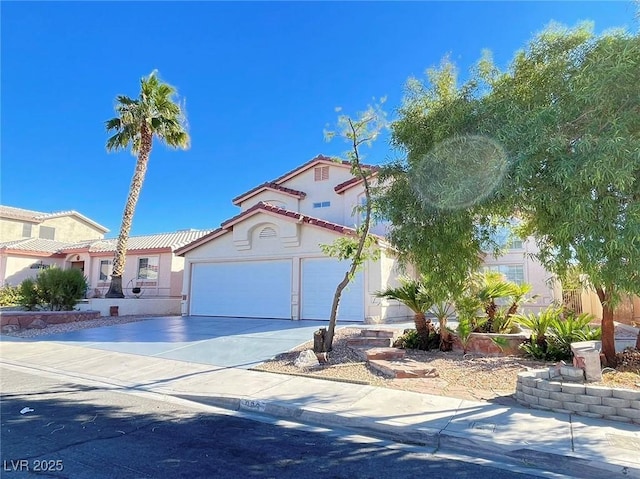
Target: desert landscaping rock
(37, 324)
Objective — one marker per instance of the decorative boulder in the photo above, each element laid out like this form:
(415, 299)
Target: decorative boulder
(10, 328)
(306, 360)
(37, 324)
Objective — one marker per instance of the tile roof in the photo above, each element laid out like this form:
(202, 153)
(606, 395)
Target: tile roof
(356, 180)
(35, 245)
(39, 216)
(269, 208)
(318, 159)
(170, 241)
(263, 207)
(270, 185)
(275, 184)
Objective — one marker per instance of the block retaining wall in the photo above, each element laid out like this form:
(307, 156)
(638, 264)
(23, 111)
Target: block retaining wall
(538, 390)
(26, 319)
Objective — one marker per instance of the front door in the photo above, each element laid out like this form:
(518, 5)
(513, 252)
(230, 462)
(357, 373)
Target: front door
(78, 265)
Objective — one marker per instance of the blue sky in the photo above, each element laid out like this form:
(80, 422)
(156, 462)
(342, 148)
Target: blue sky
(261, 82)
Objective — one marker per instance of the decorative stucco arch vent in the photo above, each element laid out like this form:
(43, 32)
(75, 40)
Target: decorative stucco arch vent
(268, 232)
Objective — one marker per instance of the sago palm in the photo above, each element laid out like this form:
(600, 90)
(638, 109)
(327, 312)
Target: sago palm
(155, 113)
(412, 294)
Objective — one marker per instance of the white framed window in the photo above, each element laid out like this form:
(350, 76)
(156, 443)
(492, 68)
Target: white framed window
(148, 268)
(515, 243)
(322, 204)
(321, 173)
(106, 268)
(47, 232)
(512, 272)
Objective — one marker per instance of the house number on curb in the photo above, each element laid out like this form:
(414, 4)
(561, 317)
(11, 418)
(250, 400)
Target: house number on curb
(253, 405)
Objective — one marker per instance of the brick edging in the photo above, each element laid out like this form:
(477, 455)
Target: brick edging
(536, 389)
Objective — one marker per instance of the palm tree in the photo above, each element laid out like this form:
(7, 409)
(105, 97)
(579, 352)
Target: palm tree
(412, 294)
(154, 113)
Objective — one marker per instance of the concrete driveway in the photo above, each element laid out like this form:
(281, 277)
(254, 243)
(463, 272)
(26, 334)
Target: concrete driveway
(227, 342)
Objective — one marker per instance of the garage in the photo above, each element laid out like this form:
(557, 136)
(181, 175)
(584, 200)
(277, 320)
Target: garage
(320, 276)
(251, 289)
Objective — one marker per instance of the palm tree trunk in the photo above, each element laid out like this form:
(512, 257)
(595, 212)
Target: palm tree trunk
(119, 260)
(420, 320)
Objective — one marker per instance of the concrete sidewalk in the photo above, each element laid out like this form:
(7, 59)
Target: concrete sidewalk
(562, 443)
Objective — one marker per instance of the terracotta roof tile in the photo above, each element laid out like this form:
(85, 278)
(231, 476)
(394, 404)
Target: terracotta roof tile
(270, 185)
(345, 185)
(318, 159)
(227, 226)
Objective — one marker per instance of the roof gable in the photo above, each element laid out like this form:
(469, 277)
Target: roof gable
(270, 185)
(269, 209)
(38, 216)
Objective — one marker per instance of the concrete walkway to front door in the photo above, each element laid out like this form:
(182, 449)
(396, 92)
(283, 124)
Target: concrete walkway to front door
(226, 342)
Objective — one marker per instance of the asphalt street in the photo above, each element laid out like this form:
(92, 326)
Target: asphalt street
(79, 431)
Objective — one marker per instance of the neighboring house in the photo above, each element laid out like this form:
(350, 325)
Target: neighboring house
(152, 268)
(267, 261)
(518, 264)
(63, 226)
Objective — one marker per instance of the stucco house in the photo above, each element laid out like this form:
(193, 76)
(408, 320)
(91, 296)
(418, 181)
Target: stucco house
(63, 226)
(152, 269)
(267, 261)
(518, 264)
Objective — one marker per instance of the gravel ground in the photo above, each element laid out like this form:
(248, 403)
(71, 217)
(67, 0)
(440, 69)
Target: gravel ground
(66, 327)
(466, 377)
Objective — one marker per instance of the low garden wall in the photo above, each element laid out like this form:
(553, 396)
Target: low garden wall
(41, 319)
(485, 344)
(152, 306)
(566, 393)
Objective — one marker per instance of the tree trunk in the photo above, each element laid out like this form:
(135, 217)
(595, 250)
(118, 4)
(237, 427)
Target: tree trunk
(446, 343)
(119, 260)
(328, 337)
(420, 320)
(115, 288)
(638, 341)
(608, 329)
(319, 338)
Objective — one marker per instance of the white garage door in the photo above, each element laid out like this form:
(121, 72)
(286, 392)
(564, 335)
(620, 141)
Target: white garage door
(320, 277)
(251, 289)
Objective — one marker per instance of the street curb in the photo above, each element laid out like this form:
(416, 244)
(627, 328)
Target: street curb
(428, 437)
(436, 439)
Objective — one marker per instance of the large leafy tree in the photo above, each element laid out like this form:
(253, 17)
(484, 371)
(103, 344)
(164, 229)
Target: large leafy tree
(436, 195)
(568, 112)
(155, 113)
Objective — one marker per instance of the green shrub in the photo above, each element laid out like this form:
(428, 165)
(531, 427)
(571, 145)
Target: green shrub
(552, 332)
(29, 297)
(9, 295)
(410, 339)
(56, 288)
